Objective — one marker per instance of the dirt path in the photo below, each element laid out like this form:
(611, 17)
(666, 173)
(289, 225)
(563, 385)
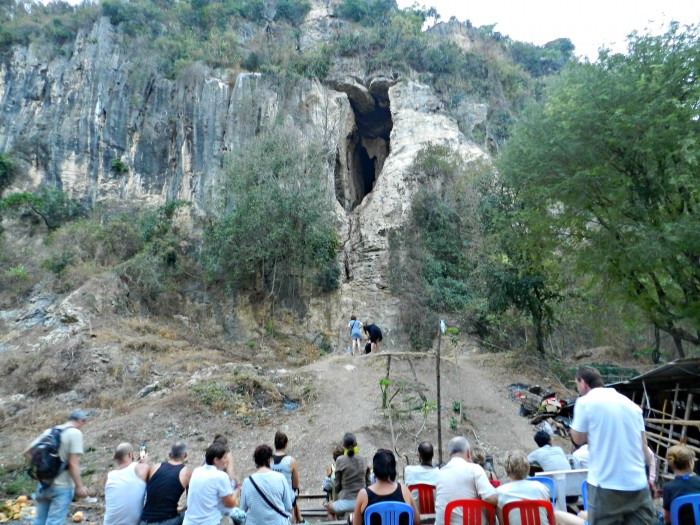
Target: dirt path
(349, 399)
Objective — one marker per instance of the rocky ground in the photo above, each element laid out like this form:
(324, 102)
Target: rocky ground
(314, 402)
(342, 394)
(157, 381)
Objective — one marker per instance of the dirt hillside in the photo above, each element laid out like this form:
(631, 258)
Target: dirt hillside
(313, 403)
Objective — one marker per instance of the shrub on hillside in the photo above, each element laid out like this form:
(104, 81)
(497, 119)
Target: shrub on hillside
(274, 230)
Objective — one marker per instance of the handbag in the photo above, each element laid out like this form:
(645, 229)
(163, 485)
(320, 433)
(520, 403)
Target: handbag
(272, 505)
(327, 484)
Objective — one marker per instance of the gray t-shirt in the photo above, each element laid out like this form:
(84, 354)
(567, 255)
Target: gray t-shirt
(350, 476)
(71, 443)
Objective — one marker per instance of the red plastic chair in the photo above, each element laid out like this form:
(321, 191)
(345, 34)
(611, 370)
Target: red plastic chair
(426, 497)
(472, 511)
(529, 511)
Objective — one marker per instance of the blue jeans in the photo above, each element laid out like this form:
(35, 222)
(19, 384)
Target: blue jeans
(52, 505)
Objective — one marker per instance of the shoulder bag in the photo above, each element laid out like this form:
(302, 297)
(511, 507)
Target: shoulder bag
(272, 505)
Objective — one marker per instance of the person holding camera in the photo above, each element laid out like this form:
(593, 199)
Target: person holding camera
(125, 487)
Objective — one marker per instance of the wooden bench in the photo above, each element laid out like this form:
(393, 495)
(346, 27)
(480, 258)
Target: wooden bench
(567, 483)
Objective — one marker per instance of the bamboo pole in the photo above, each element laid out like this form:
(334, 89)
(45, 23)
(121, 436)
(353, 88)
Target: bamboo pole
(663, 411)
(676, 435)
(688, 408)
(673, 409)
(672, 441)
(439, 399)
(680, 422)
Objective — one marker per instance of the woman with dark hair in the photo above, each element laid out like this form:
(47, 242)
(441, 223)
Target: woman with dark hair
(210, 488)
(223, 441)
(288, 467)
(374, 334)
(266, 496)
(384, 488)
(355, 334)
(351, 475)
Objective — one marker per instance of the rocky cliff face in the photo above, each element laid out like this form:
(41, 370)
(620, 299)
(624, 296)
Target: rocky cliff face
(73, 119)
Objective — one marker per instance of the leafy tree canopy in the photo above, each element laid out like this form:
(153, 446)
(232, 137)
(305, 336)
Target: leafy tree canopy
(607, 168)
(7, 171)
(51, 205)
(276, 224)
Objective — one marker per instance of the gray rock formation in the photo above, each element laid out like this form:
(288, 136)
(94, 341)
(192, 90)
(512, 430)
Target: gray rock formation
(71, 118)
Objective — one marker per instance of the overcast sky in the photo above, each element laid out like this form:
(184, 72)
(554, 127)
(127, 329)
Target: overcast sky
(589, 24)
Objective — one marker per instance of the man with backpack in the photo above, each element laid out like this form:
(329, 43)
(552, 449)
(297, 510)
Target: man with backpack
(59, 477)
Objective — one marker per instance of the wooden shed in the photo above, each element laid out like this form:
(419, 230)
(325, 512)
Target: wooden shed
(670, 398)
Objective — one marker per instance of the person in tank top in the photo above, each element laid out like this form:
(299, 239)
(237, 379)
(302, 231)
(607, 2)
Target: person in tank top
(166, 483)
(385, 488)
(125, 487)
(288, 467)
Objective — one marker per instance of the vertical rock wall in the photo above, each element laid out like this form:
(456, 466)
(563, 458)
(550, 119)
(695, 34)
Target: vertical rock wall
(72, 118)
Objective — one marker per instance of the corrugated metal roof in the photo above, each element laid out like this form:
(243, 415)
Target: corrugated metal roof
(685, 372)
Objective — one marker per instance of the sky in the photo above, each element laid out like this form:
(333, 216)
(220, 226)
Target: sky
(589, 24)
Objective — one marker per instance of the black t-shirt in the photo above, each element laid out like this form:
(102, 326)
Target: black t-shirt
(375, 334)
(680, 486)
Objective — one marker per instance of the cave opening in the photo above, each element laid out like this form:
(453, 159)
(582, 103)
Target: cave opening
(366, 170)
(367, 147)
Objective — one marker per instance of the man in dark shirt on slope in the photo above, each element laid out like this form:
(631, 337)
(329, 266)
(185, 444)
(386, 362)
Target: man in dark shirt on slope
(374, 335)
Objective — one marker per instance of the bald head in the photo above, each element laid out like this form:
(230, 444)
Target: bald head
(425, 452)
(123, 452)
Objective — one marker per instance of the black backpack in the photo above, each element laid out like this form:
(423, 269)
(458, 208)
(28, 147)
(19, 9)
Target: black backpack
(44, 462)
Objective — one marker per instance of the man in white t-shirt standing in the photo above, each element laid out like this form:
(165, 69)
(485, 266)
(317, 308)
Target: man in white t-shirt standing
(613, 427)
(125, 487)
(460, 479)
(52, 502)
(210, 488)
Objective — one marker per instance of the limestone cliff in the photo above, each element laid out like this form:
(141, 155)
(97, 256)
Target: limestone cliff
(71, 118)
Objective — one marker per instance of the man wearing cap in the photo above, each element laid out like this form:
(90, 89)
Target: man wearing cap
(52, 502)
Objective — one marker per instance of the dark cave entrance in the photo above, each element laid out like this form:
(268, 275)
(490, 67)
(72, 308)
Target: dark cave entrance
(366, 148)
(365, 170)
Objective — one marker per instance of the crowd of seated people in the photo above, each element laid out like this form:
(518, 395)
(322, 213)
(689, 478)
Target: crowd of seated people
(151, 495)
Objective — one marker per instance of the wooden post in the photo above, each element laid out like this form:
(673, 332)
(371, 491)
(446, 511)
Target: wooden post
(439, 400)
(688, 407)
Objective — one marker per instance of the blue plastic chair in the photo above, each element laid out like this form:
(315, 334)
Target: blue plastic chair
(550, 483)
(584, 494)
(676, 504)
(389, 512)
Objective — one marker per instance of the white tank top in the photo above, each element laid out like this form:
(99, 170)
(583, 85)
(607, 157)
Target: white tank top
(124, 495)
(284, 467)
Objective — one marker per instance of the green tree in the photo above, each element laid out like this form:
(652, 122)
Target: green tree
(7, 171)
(51, 205)
(275, 224)
(513, 283)
(367, 12)
(608, 168)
